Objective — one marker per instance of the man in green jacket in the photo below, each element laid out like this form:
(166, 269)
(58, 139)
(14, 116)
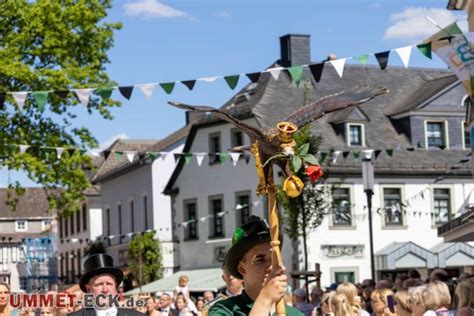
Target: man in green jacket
(249, 259)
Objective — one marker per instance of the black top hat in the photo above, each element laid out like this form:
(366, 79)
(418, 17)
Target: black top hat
(254, 232)
(99, 264)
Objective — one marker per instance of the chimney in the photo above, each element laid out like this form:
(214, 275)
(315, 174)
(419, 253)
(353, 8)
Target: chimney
(295, 50)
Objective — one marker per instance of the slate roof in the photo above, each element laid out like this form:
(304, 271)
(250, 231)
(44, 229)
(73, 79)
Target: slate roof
(33, 204)
(270, 101)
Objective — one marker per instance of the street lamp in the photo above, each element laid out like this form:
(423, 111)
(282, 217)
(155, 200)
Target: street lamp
(368, 180)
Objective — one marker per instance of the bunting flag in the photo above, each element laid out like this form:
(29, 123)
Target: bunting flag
(63, 94)
(126, 91)
(167, 87)
(232, 81)
(188, 157)
(83, 95)
(146, 89)
(356, 154)
(389, 152)
(130, 155)
(199, 158)
(382, 59)
(338, 64)
(254, 76)
(23, 148)
(404, 53)
(316, 71)
(377, 153)
(235, 158)
(425, 49)
(222, 157)
(296, 73)
(118, 155)
(368, 153)
(41, 97)
(189, 84)
(209, 79)
(163, 155)
(104, 92)
(362, 59)
(335, 156)
(153, 155)
(275, 72)
(20, 98)
(59, 152)
(176, 156)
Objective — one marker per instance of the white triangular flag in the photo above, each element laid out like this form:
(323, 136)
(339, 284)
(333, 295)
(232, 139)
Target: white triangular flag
(235, 158)
(238, 207)
(199, 158)
(185, 224)
(209, 79)
(368, 153)
(83, 95)
(256, 203)
(275, 72)
(59, 151)
(163, 155)
(220, 214)
(74, 240)
(129, 235)
(202, 219)
(335, 156)
(147, 89)
(23, 148)
(130, 155)
(338, 64)
(20, 98)
(404, 53)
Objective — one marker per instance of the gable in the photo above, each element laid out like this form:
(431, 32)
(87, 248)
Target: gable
(410, 261)
(449, 100)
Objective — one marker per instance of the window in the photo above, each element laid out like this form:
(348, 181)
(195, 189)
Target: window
(66, 227)
(191, 215)
(217, 222)
(145, 210)
(84, 216)
(119, 212)
(236, 138)
(392, 203)
(45, 224)
(214, 147)
(466, 135)
(71, 221)
(132, 215)
(66, 258)
(21, 226)
(61, 230)
(341, 207)
(78, 262)
(107, 213)
(78, 221)
(355, 133)
(435, 135)
(342, 277)
(442, 210)
(243, 211)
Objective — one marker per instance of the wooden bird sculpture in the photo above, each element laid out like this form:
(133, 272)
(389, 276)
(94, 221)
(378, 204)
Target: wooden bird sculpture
(278, 143)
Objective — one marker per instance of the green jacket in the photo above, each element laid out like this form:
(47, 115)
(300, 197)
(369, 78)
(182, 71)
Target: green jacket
(241, 305)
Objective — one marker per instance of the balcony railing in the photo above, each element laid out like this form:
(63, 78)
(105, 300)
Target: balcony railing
(456, 223)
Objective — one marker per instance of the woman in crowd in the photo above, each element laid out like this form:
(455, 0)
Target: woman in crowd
(48, 311)
(340, 306)
(436, 299)
(416, 300)
(379, 301)
(402, 303)
(182, 306)
(350, 291)
(325, 304)
(465, 298)
(5, 308)
(200, 305)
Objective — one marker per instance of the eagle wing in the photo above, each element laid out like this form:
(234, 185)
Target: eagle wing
(253, 132)
(334, 102)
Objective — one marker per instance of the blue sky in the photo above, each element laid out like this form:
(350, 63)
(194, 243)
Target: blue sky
(167, 40)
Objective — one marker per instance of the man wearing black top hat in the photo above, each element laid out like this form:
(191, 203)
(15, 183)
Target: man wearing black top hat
(249, 259)
(101, 277)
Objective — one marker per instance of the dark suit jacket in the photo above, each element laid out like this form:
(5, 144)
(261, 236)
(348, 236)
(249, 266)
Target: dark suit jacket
(173, 312)
(120, 312)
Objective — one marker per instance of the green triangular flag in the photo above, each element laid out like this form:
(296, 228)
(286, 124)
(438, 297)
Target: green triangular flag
(167, 86)
(118, 155)
(323, 156)
(232, 81)
(223, 157)
(41, 97)
(296, 72)
(425, 49)
(104, 92)
(363, 59)
(82, 151)
(389, 152)
(188, 158)
(356, 154)
(153, 155)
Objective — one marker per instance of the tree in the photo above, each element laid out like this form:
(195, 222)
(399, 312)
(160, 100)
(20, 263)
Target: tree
(145, 254)
(48, 46)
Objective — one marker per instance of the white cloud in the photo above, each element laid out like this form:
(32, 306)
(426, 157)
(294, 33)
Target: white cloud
(106, 143)
(223, 14)
(152, 9)
(411, 25)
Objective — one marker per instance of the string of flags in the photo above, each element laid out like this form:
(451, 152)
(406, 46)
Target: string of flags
(40, 98)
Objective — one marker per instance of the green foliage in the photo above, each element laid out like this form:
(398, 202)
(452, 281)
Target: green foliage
(144, 250)
(52, 45)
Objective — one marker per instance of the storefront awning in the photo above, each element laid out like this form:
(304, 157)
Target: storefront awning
(200, 280)
(404, 255)
(454, 254)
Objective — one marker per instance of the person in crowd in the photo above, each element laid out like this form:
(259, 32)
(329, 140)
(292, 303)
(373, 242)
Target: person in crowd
(300, 302)
(465, 297)
(5, 308)
(384, 284)
(249, 259)
(379, 301)
(436, 299)
(465, 276)
(350, 291)
(340, 306)
(27, 311)
(402, 303)
(200, 306)
(150, 307)
(165, 303)
(315, 297)
(208, 296)
(439, 275)
(182, 287)
(325, 307)
(368, 286)
(416, 300)
(182, 306)
(399, 279)
(48, 311)
(408, 283)
(101, 277)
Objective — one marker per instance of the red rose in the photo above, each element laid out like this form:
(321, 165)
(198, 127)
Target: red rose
(314, 172)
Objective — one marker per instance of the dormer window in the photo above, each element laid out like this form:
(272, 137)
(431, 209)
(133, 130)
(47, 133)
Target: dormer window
(355, 135)
(21, 226)
(214, 147)
(436, 135)
(237, 138)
